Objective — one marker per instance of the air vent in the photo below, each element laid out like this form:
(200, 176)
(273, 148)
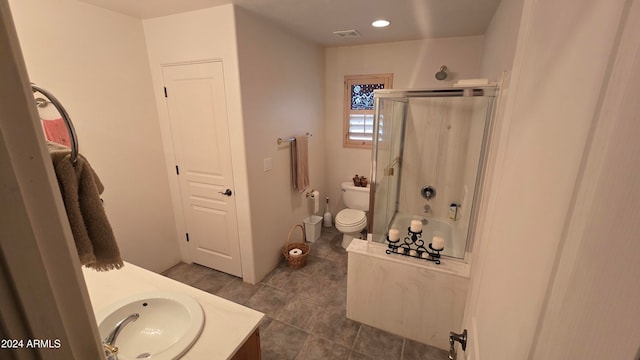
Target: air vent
(347, 33)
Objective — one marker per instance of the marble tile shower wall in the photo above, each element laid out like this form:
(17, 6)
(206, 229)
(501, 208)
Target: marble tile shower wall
(435, 153)
(306, 309)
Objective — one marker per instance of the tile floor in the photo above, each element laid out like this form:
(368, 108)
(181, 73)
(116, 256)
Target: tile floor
(306, 309)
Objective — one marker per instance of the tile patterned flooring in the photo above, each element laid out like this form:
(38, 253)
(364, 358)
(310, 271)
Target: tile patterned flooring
(306, 309)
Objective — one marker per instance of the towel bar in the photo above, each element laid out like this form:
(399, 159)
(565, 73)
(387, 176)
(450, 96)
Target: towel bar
(281, 140)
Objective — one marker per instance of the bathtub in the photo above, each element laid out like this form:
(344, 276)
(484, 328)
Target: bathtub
(454, 246)
(409, 297)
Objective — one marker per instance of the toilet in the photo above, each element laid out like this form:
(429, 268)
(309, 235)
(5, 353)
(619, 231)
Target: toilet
(352, 220)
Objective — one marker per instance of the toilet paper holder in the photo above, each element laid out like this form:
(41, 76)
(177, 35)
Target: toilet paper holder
(315, 195)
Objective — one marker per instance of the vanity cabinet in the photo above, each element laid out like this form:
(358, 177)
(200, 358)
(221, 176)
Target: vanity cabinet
(250, 350)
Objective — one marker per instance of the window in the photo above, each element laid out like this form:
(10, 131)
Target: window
(358, 107)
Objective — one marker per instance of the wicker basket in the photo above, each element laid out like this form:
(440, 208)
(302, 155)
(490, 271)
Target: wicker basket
(296, 261)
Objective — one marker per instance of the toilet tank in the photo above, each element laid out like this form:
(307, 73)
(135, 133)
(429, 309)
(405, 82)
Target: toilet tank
(355, 197)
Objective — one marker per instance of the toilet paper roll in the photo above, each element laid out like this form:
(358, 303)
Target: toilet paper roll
(316, 201)
(295, 252)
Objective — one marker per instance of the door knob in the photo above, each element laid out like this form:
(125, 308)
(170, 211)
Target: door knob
(461, 338)
(226, 193)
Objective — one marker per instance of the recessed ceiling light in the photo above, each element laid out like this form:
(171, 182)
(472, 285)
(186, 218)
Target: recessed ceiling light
(380, 23)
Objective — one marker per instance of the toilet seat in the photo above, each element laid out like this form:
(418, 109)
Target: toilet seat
(351, 220)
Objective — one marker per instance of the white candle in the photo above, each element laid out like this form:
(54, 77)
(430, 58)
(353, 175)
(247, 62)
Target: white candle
(413, 252)
(437, 243)
(394, 235)
(425, 255)
(416, 226)
(400, 250)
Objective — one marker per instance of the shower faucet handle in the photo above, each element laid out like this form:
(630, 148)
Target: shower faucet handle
(428, 192)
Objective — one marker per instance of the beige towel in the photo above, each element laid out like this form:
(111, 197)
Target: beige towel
(300, 163)
(80, 188)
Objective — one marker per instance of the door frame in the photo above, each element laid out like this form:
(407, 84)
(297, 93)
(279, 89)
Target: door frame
(42, 290)
(159, 57)
(190, 248)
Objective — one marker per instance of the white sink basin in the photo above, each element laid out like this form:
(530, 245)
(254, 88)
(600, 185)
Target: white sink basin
(168, 325)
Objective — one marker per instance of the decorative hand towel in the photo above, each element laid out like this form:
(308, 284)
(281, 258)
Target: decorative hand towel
(80, 188)
(300, 163)
(56, 131)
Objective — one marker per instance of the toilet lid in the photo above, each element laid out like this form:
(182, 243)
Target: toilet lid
(351, 217)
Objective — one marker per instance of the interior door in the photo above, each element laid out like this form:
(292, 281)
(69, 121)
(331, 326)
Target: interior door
(196, 103)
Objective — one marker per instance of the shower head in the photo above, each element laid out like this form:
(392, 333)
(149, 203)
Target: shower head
(442, 74)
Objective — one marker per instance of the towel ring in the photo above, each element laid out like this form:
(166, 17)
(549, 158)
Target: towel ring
(65, 117)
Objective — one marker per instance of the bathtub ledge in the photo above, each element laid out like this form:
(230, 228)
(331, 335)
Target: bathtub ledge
(447, 265)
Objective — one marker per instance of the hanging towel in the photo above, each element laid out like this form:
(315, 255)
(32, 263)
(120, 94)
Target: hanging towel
(56, 131)
(300, 163)
(80, 188)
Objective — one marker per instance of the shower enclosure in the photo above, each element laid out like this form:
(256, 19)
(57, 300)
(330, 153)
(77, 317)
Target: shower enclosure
(428, 160)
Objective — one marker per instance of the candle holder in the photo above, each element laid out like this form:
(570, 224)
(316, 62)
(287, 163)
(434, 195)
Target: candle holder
(413, 246)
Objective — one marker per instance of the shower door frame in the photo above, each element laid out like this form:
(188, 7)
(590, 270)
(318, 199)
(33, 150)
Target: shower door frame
(403, 95)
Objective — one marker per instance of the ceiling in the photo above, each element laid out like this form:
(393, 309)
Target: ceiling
(316, 20)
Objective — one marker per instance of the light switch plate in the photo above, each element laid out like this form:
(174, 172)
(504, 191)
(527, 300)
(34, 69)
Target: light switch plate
(268, 164)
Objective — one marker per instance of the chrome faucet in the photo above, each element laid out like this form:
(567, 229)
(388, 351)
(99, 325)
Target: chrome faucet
(109, 343)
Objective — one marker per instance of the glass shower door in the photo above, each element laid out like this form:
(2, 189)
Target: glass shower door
(387, 159)
(429, 139)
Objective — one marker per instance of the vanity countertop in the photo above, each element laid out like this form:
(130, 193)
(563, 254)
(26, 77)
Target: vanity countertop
(227, 324)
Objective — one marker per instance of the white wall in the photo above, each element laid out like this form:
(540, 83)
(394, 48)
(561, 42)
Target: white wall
(592, 309)
(274, 89)
(94, 61)
(282, 87)
(500, 39)
(413, 64)
(562, 49)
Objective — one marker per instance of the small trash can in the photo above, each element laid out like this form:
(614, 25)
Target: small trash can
(313, 227)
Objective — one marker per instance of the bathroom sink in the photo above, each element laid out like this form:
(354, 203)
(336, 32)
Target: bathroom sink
(168, 325)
